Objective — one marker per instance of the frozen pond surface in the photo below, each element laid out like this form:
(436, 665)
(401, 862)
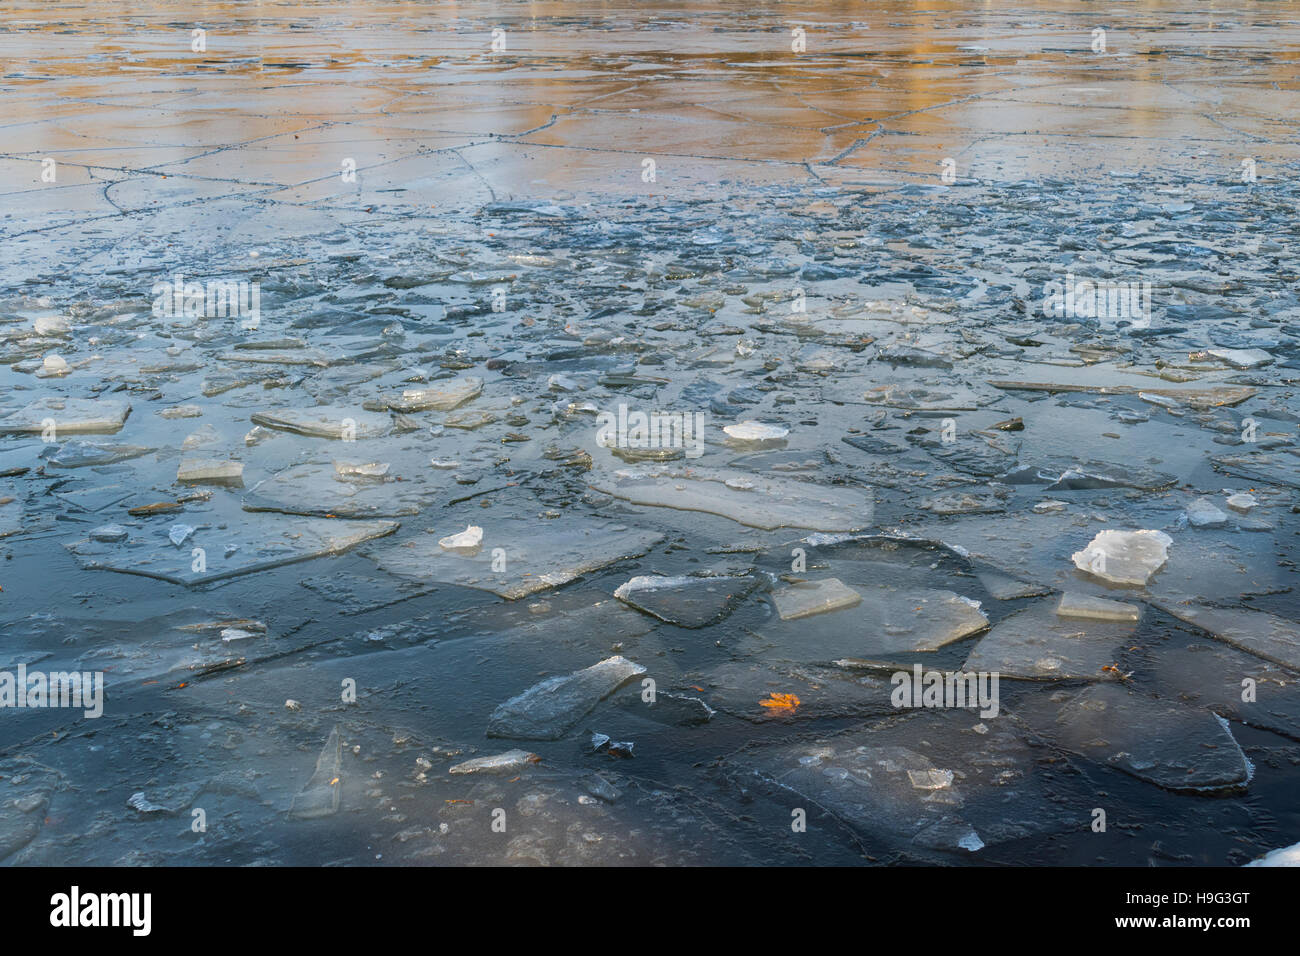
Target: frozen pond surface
(392, 390)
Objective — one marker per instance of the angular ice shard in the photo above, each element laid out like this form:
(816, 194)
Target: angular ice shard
(320, 797)
(754, 500)
(1242, 358)
(1242, 502)
(316, 488)
(1215, 675)
(929, 781)
(467, 540)
(1160, 741)
(518, 556)
(686, 601)
(442, 397)
(1036, 644)
(755, 432)
(229, 552)
(80, 454)
(210, 471)
(69, 416)
(1006, 588)
(547, 711)
(1275, 469)
(1100, 609)
(1265, 635)
(1127, 558)
(814, 597)
(1204, 513)
(326, 421)
(887, 621)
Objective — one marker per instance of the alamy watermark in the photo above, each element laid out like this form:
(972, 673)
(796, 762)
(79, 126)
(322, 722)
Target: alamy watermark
(217, 298)
(652, 431)
(954, 689)
(1107, 301)
(56, 689)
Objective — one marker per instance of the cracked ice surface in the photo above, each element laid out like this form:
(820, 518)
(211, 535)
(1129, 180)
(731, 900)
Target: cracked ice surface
(467, 261)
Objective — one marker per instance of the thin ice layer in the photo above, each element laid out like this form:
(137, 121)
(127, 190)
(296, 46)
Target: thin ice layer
(518, 557)
(754, 500)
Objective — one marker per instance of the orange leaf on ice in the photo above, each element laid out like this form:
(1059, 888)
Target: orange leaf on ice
(780, 701)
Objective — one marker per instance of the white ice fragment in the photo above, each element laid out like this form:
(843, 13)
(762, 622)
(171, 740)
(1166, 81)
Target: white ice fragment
(467, 540)
(756, 431)
(1242, 502)
(814, 597)
(209, 471)
(1095, 608)
(1242, 358)
(1203, 513)
(1129, 558)
(179, 534)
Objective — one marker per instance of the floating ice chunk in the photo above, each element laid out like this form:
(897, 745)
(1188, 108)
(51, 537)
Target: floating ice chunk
(1242, 502)
(210, 471)
(317, 488)
(930, 779)
(51, 325)
(467, 540)
(80, 454)
(254, 546)
(320, 796)
(108, 532)
(179, 534)
(326, 421)
(1100, 609)
(1169, 744)
(770, 502)
(1203, 513)
(68, 415)
(256, 435)
(231, 634)
(756, 432)
(205, 435)
(814, 597)
(1242, 358)
(548, 710)
(530, 558)
(507, 762)
(686, 601)
(440, 398)
(1265, 635)
(1006, 588)
(1036, 644)
(1127, 558)
(922, 782)
(887, 620)
(54, 365)
(181, 411)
